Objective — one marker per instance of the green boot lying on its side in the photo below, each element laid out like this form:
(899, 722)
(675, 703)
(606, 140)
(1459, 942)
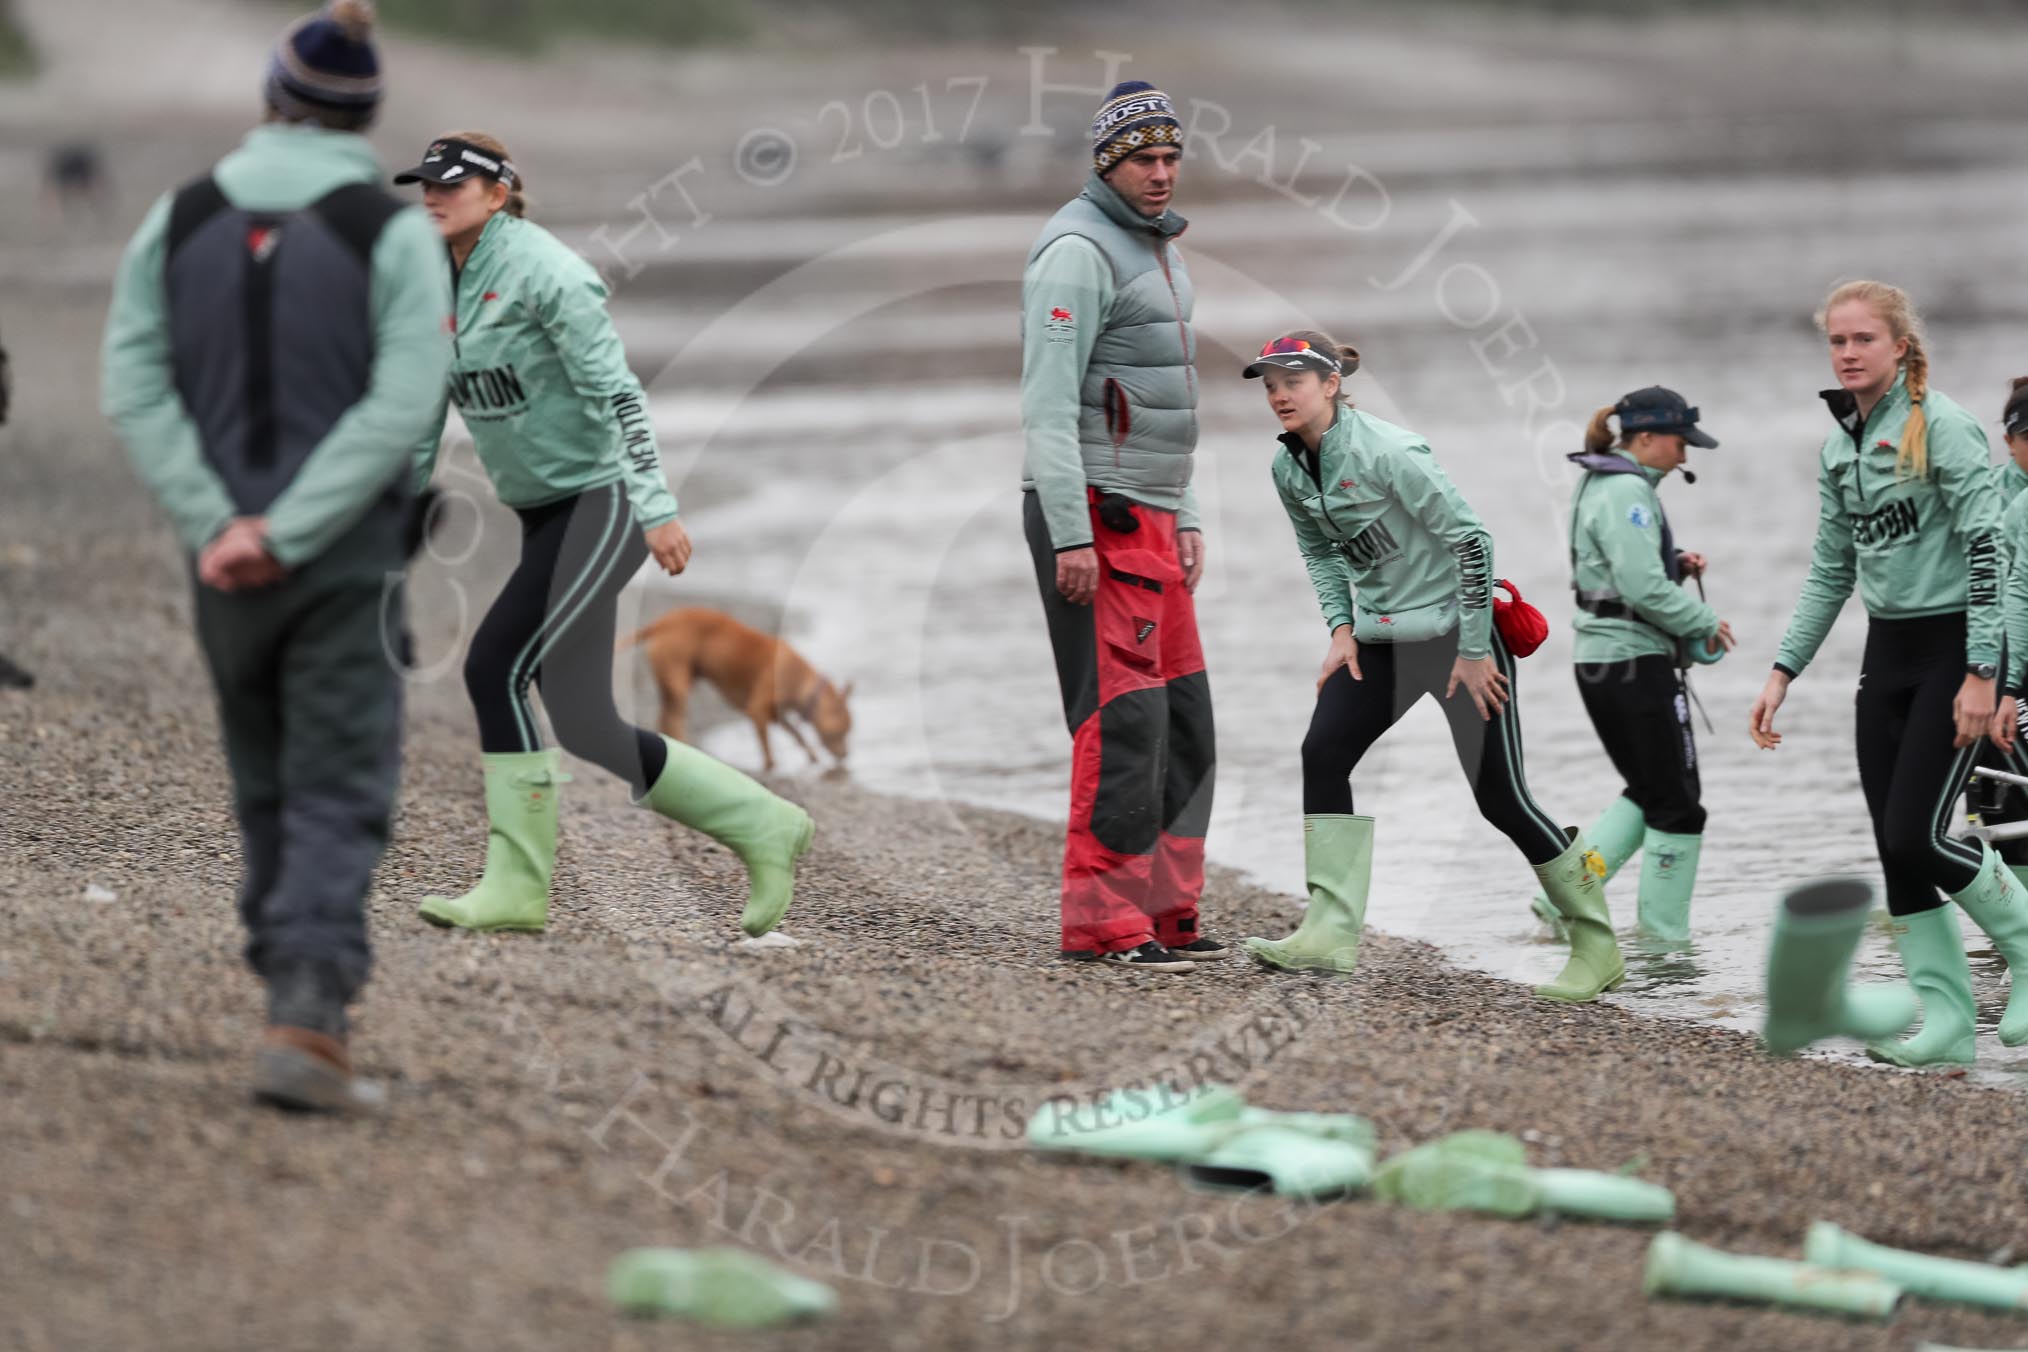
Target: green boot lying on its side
(1922, 1274)
(1338, 865)
(767, 832)
(724, 1288)
(1616, 835)
(513, 894)
(1816, 930)
(1488, 1171)
(1682, 1267)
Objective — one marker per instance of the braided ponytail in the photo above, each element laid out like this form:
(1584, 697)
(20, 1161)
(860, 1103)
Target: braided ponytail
(1897, 311)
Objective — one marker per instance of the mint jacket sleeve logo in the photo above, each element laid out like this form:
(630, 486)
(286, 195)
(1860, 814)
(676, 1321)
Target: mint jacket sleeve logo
(1383, 519)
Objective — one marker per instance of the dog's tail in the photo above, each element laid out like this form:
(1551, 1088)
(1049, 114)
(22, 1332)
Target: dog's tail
(641, 635)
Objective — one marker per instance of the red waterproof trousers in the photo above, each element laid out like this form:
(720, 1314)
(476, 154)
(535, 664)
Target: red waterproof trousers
(1138, 704)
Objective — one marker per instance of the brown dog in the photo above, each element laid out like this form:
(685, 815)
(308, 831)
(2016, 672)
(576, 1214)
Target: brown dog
(756, 672)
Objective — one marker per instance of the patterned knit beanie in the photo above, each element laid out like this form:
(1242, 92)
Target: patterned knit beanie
(325, 69)
(1134, 116)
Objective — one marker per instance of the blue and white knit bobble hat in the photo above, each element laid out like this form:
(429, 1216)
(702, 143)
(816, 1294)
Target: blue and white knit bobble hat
(326, 65)
(1134, 116)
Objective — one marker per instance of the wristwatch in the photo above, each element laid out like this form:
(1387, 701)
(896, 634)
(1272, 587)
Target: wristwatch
(1985, 671)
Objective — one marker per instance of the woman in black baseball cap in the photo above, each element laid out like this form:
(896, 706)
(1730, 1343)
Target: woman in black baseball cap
(1636, 629)
(1374, 513)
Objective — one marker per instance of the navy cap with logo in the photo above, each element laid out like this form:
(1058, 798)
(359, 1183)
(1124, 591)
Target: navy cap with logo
(2015, 420)
(453, 161)
(1660, 410)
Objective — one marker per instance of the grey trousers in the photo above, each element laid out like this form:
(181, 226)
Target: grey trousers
(309, 700)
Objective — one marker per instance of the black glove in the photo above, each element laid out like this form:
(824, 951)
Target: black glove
(1117, 512)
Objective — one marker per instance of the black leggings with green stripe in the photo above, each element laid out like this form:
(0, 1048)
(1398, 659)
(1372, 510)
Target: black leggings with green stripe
(1908, 769)
(554, 624)
(1351, 715)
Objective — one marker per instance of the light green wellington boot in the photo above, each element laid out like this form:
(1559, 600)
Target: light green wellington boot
(1816, 930)
(1488, 1171)
(1338, 865)
(1668, 876)
(1933, 955)
(1575, 884)
(768, 832)
(520, 848)
(724, 1288)
(1615, 835)
(1998, 904)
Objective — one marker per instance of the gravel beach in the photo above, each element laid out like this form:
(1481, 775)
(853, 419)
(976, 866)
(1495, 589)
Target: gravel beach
(636, 1077)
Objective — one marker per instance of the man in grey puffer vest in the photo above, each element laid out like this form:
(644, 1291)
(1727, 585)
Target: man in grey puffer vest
(1109, 408)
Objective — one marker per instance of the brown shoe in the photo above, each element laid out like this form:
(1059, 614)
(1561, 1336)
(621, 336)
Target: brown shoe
(311, 1072)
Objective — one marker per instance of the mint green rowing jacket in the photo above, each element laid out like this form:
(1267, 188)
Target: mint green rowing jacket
(1380, 515)
(541, 379)
(1618, 536)
(1921, 546)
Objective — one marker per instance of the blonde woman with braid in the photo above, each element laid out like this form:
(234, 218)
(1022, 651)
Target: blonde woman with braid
(1909, 512)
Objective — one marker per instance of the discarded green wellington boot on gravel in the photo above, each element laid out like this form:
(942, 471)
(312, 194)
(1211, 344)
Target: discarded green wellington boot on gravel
(1286, 1160)
(513, 894)
(1616, 835)
(1682, 1267)
(1816, 930)
(1139, 1125)
(1575, 884)
(1998, 904)
(1488, 1171)
(1668, 876)
(724, 1288)
(1933, 955)
(767, 831)
(1921, 1274)
(1338, 865)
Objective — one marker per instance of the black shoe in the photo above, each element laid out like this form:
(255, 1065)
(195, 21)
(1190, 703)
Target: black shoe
(1203, 948)
(13, 677)
(1149, 957)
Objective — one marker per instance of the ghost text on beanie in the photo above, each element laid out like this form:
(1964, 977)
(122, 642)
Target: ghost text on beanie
(1134, 116)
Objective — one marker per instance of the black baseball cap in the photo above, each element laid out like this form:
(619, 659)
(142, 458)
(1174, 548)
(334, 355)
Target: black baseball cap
(1660, 410)
(2015, 420)
(453, 161)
